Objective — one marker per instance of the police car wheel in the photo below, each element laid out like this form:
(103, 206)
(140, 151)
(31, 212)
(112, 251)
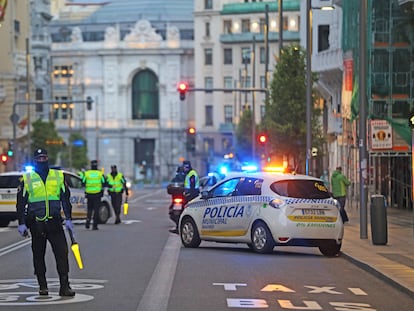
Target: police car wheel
(4, 222)
(103, 214)
(330, 248)
(189, 233)
(262, 240)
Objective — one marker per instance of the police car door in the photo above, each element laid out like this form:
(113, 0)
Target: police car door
(77, 195)
(220, 214)
(248, 197)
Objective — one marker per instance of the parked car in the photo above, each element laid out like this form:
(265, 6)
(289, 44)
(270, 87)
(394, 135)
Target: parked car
(8, 189)
(265, 210)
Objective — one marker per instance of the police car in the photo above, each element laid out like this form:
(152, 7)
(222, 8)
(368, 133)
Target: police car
(9, 182)
(264, 210)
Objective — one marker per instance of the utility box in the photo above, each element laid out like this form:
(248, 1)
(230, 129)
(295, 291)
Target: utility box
(379, 231)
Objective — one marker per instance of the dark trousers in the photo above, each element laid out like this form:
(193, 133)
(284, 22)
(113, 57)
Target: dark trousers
(116, 200)
(344, 215)
(51, 231)
(94, 201)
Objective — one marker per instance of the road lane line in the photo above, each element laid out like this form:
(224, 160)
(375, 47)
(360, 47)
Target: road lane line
(14, 246)
(158, 291)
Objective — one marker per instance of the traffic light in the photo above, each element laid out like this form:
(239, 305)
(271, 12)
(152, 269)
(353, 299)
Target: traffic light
(191, 139)
(10, 151)
(262, 139)
(89, 102)
(182, 88)
(4, 158)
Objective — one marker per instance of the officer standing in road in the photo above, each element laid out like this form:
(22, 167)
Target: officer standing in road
(116, 187)
(94, 181)
(191, 182)
(45, 193)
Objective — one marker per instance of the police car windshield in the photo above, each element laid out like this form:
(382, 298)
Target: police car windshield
(301, 189)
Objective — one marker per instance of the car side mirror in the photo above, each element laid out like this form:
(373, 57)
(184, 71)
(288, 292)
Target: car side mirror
(205, 195)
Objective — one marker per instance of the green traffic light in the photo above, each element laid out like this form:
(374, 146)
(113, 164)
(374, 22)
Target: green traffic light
(10, 153)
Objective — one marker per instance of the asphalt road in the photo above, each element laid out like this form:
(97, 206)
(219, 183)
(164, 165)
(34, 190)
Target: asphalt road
(139, 266)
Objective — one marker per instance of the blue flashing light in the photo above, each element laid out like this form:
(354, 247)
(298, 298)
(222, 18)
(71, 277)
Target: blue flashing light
(249, 168)
(28, 168)
(223, 170)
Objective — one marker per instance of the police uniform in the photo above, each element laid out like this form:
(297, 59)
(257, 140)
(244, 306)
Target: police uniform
(116, 186)
(45, 193)
(94, 181)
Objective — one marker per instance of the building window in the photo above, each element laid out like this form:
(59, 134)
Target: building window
(39, 96)
(208, 82)
(63, 71)
(262, 55)
(228, 82)
(208, 145)
(323, 37)
(145, 97)
(227, 27)
(262, 82)
(228, 114)
(262, 25)
(245, 25)
(208, 4)
(262, 111)
(209, 115)
(63, 111)
(207, 30)
(228, 56)
(245, 56)
(245, 81)
(208, 57)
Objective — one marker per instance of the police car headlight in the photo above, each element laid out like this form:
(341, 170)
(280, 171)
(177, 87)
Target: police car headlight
(277, 203)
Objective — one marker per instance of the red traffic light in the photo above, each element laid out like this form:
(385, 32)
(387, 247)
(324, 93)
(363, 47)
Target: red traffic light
(263, 139)
(182, 88)
(4, 158)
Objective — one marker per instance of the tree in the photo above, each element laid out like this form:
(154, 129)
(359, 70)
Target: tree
(79, 151)
(45, 136)
(285, 118)
(243, 147)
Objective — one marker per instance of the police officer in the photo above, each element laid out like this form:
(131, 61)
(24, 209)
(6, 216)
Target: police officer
(94, 181)
(45, 193)
(191, 186)
(116, 186)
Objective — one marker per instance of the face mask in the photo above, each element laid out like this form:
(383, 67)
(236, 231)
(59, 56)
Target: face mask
(42, 166)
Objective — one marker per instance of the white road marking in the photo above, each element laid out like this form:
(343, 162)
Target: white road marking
(157, 293)
(14, 246)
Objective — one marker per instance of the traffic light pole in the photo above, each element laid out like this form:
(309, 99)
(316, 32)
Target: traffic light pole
(14, 118)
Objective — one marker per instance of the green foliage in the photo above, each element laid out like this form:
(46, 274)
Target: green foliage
(285, 118)
(45, 136)
(244, 136)
(79, 152)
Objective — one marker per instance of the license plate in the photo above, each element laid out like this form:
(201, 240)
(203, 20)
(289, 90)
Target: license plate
(177, 207)
(8, 196)
(313, 212)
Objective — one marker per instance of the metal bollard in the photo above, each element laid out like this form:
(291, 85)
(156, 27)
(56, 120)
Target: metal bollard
(379, 231)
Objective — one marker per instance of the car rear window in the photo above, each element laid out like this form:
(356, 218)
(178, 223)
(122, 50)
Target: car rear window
(10, 181)
(302, 189)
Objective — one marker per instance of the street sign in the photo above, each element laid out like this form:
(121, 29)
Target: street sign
(14, 118)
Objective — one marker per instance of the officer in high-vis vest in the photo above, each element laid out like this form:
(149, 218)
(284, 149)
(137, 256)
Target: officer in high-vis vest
(94, 181)
(41, 195)
(191, 186)
(116, 187)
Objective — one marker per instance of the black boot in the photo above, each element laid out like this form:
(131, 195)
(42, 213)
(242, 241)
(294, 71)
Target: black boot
(65, 289)
(43, 291)
(88, 223)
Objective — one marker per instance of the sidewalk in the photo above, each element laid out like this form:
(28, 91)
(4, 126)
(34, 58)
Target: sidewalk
(393, 262)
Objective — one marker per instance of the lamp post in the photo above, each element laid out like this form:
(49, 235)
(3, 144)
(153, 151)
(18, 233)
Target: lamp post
(308, 87)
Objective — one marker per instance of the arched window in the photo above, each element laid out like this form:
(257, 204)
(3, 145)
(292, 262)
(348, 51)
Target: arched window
(145, 100)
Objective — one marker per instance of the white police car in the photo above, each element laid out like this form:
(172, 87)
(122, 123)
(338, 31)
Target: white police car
(9, 182)
(265, 210)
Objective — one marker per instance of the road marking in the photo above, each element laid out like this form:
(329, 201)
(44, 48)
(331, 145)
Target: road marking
(14, 246)
(157, 293)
